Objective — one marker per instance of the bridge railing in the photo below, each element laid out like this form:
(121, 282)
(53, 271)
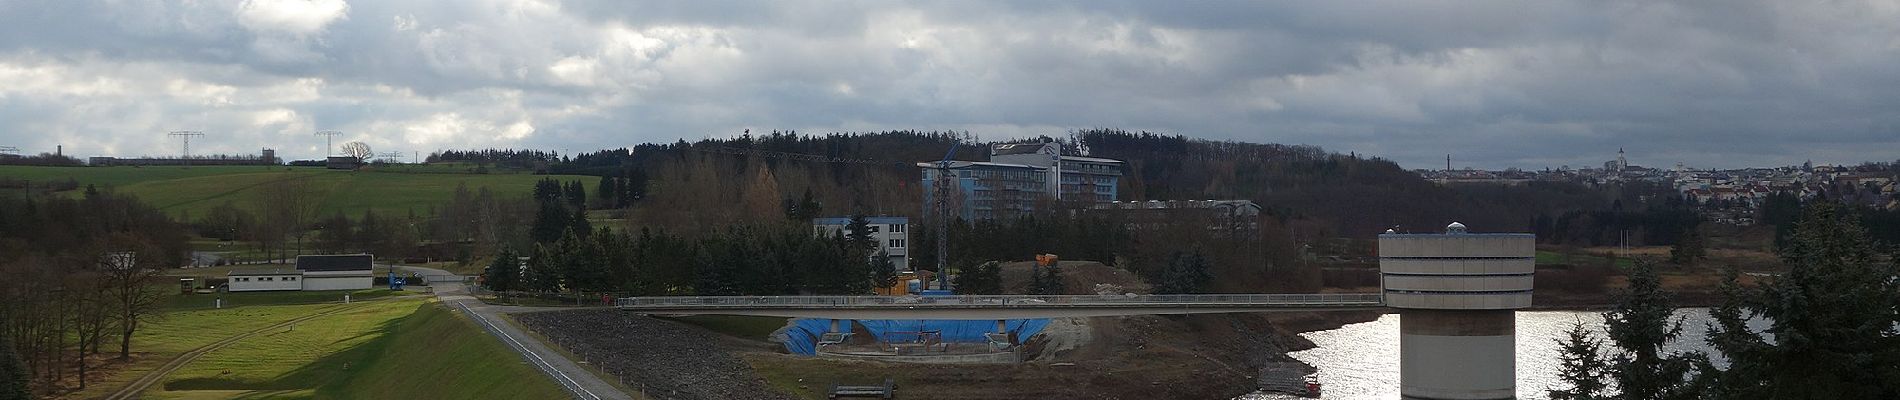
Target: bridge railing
(1004, 301)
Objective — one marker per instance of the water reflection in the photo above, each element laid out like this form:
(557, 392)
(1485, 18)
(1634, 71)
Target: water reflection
(1361, 361)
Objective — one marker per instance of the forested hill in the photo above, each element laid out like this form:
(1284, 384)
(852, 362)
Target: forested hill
(715, 182)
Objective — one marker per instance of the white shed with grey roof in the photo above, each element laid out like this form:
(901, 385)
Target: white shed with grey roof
(336, 272)
(263, 280)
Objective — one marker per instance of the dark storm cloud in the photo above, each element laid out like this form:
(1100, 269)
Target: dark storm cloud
(1497, 84)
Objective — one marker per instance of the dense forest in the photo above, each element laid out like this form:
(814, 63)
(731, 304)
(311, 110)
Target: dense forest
(80, 277)
(1313, 194)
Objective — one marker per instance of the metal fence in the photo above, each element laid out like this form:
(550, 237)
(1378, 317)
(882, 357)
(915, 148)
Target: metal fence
(1013, 301)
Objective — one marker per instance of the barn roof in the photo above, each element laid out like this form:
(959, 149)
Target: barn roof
(338, 262)
(262, 272)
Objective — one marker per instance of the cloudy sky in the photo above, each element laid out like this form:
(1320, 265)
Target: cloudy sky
(1507, 84)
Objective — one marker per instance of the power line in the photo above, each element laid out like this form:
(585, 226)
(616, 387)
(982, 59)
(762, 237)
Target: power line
(328, 148)
(186, 135)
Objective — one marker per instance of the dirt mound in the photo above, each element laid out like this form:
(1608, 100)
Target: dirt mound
(680, 361)
(1078, 277)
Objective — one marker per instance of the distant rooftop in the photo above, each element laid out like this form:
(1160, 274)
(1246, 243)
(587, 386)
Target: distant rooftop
(847, 220)
(336, 262)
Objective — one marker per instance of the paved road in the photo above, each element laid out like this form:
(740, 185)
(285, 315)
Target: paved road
(583, 385)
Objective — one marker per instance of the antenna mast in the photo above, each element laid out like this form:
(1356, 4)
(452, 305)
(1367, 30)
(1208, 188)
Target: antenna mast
(328, 136)
(186, 135)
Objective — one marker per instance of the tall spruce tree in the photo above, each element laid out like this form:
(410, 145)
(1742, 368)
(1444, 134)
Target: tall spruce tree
(1688, 249)
(860, 232)
(1831, 319)
(1640, 325)
(1186, 272)
(13, 373)
(986, 278)
(504, 273)
(1583, 366)
(883, 271)
(606, 191)
(1047, 281)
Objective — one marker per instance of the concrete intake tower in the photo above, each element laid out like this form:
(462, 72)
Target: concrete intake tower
(1456, 294)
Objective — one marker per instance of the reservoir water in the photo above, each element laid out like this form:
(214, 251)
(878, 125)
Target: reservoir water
(1361, 361)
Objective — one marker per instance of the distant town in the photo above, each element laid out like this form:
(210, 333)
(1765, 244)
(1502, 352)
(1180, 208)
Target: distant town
(1730, 196)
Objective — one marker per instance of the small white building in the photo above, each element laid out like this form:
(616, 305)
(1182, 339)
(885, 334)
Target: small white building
(892, 235)
(336, 272)
(261, 280)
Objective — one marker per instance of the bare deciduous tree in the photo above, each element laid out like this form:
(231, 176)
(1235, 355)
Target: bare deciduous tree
(357, 150)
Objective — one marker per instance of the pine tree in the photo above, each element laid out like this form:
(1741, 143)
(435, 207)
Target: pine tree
(986, 278)
(543, 273)
(1583, 366)
(1186, 272)
(1048, 281)
(1688, 249)
(579, 224)
(606, 191)
(883, 271)
(13, 373)
(1831, 318)
(549, 222)
(504, 273)
(860, 232)
(1641, 324)
(576, 195)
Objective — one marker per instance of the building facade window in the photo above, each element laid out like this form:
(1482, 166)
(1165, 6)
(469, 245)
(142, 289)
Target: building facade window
(897, 228)
(897, 243)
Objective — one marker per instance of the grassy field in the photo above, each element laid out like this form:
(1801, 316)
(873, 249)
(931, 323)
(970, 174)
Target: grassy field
(1548, 257)
(405, 348)
(177, 332)
(182, 190)
(250, 299)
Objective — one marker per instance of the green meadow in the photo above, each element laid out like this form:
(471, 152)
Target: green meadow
(409, 348)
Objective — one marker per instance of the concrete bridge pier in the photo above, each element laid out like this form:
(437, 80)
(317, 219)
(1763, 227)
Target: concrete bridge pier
(1457, 294)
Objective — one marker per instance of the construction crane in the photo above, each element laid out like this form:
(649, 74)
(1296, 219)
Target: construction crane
(942, 199)
(187, 136)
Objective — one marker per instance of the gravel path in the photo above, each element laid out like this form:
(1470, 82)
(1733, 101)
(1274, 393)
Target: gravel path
(668, 360)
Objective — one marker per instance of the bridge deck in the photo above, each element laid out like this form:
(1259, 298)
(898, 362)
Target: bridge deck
(994, 307)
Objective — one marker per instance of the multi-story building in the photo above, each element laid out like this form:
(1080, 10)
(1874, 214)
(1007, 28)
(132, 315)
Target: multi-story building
(1021, 175)
(1236, 216)
(892, 235)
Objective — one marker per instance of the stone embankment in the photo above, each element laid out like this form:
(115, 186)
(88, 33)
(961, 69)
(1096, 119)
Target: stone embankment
(663, 359)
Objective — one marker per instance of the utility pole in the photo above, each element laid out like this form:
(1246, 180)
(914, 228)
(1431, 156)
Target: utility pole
(186, 135)
(328, 136)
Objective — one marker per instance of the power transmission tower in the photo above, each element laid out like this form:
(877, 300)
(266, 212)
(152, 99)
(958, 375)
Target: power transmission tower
(392, 155)
(186, 135)
(9, 150)
(328, 136)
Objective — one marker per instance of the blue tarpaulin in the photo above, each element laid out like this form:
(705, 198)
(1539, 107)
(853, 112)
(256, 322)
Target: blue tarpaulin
(802, 337)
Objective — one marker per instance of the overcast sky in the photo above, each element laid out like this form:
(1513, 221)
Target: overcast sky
(1505, 84)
